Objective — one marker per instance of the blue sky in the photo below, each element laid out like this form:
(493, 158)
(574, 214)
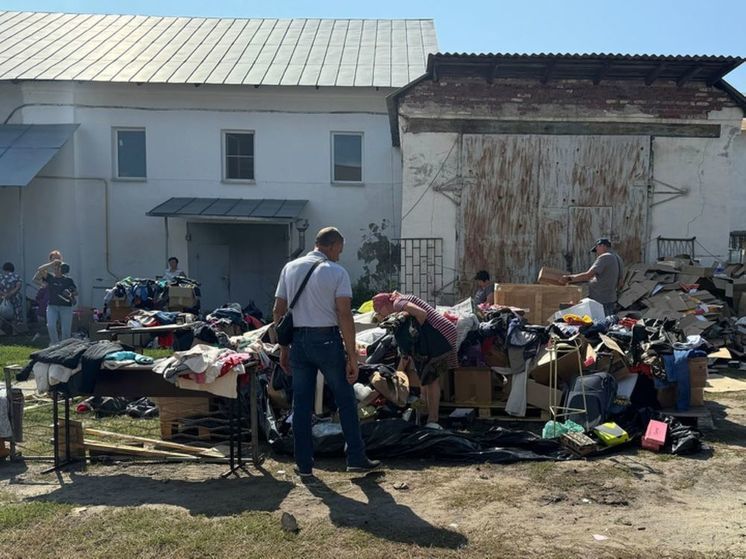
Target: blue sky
(629, 26)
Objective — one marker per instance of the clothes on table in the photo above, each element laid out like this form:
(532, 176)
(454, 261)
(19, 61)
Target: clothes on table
(202, 364)
(129, 356)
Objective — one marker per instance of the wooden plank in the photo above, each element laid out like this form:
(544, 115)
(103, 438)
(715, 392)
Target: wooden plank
(564, 128)
(134, 450)
(197, 451)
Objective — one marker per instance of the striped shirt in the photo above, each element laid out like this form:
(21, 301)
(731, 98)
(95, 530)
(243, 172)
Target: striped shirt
(440, 323)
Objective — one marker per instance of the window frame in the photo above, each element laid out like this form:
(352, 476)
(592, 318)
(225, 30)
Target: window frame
(334, 133)
(115, 155)
(224, 156)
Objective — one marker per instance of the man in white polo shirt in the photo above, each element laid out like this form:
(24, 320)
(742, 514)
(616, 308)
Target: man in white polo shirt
(322, 320)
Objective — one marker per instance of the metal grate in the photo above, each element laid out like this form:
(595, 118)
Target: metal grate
(421, 270)
(672, 246)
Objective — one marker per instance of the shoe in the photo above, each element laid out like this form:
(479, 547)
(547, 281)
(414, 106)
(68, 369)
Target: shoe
(367, 466)
(433, 425)
(303, 474)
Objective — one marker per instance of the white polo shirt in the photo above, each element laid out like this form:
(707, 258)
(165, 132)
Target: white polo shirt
(316, 307)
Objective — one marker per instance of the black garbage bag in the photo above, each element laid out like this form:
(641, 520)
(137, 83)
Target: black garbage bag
(680, 439)
(396, 438)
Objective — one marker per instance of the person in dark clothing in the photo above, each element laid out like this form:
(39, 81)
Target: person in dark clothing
(62, 298)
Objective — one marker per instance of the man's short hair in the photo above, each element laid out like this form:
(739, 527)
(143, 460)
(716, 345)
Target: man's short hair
(8, 267)
(174, 258)
(482, 275)
(329, 236)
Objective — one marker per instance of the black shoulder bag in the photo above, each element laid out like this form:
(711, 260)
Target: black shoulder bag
(284, 328)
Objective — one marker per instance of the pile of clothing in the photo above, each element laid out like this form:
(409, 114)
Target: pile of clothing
(71, 366)
(145, 293)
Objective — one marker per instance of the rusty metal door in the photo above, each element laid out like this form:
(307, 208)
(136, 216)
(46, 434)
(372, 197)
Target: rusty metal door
(536, 201)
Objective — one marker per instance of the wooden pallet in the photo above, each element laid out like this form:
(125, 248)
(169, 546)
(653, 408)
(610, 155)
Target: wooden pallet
(699, 416)
(496, 411)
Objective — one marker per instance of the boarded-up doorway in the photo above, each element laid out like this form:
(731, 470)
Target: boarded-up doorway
(541, 200)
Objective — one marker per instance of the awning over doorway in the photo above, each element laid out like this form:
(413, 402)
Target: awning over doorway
(233, 208)
(26, 148)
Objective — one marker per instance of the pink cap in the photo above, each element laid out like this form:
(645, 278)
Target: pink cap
(380, 300)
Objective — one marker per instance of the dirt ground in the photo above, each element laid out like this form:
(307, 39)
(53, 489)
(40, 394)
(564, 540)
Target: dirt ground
(633, 503)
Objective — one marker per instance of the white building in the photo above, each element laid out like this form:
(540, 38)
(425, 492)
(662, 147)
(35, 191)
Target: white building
(231, 133)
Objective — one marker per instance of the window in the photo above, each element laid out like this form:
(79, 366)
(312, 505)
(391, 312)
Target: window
(130, 153)
(347, 157)
(238, 151)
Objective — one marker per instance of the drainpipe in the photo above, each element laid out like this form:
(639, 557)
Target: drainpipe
(302, 226)
(107, 235)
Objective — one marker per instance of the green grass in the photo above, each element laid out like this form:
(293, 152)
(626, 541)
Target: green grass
(24, 515)
(37, 417)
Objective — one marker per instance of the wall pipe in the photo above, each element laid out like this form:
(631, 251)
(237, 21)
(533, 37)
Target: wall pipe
(107, 235)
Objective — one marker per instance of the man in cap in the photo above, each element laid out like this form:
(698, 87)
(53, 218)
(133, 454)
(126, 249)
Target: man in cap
(605, 276)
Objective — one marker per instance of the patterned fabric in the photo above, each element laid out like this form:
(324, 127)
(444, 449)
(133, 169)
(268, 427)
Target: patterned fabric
(8, 280)
(440, 323)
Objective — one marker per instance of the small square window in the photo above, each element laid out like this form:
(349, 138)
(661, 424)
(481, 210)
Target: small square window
(130, 153)
(347, 157)
(238, 150)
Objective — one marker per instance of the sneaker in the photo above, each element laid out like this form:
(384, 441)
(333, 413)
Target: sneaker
(367, 466)
(433, 425)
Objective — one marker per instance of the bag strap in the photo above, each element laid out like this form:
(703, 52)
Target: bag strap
(305, 281)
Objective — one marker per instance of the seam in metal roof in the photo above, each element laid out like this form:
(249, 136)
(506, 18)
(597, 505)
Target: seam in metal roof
(155, 49)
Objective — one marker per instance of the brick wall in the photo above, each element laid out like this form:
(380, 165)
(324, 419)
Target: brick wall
(474, 96)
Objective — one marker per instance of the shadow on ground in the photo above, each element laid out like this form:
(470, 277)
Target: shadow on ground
(382, 517)
(211, 497)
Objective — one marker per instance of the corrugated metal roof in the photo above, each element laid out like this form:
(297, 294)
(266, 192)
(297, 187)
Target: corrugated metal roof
(150, 49)
(26, 148)
(263, 209)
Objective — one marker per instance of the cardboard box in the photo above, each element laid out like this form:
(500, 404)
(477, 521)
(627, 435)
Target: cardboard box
(119, 313)
(539, 301)
(180, 297)
(667, 396)
(473, 385)
(551, 276)
(698, 372)
(567, 366)
(613, 360)
(655, 435)
(540, 396)
(697, 396)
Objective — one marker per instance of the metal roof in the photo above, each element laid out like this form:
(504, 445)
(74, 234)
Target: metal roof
(150, 49)
(26, 148)
(259, 209)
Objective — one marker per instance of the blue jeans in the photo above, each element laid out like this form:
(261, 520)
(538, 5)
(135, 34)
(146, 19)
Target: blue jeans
(65, 317)
(313, 350)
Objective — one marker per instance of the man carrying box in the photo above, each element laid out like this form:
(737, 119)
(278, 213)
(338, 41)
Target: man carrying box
(604, 277)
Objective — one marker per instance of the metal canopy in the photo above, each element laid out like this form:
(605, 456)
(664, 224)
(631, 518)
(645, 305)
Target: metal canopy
(230, 208)
(26, 148)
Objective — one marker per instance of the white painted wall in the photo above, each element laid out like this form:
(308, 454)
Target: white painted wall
(713, 170)
(709, 170)
(183, 124)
